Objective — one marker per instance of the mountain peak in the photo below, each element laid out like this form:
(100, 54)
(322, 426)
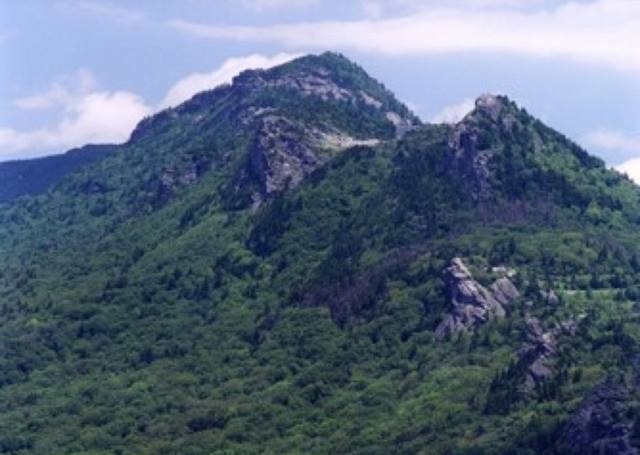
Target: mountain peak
(492, 105)
(259, 233)
(329, 78)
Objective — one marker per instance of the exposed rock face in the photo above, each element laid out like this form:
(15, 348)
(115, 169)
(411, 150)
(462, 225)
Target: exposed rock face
(370, 100)
(284, 152)
(470, 160)
(270, 110)
(326, 83)
(505, 271)
(402, 124)
(504, 291)
(171, 179)
(285, 148)
(470, 145)
(281, 156)
(600, 426)
(472, 304)
(491, 105)
(536, 353)
(538, 349)
(316, 82)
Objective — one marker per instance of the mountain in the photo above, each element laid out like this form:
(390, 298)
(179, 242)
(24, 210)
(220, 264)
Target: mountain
(293, 263)
(35, 176)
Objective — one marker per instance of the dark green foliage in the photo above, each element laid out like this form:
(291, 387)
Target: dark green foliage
(142, 312)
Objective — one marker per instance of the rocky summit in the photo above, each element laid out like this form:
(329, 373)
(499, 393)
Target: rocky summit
(295, 263)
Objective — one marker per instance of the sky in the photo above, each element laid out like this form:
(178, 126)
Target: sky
(86, 71)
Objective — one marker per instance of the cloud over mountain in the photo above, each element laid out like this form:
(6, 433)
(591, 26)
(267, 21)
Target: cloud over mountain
(602, 32)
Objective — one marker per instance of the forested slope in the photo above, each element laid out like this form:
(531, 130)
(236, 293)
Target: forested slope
(294, 264)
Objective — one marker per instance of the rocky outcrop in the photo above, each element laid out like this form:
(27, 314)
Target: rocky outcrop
(281, 154)
(538, 349)
(470, 150)
(536, 353)
(330, 78)
(471, 303)
(470, 161)
(172, 178)
(491, 105)
(370, 100)
(284, 152)
(504, 291)
(471, 147)
(316, 81)
(600, 426)
(402, 124)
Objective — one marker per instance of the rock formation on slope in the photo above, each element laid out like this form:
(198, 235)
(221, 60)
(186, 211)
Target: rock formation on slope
(536, 353)
(284, 152)
(288, 142)
(538, 349)
(600, 426)
(324, 299)
(504, 291)
(472, 147)
(289, 119)
(470, 150)
(472, 304)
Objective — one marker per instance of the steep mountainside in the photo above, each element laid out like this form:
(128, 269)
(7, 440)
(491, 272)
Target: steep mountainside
(35, 176)
(294, 264)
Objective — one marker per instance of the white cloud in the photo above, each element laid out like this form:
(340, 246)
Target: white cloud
(61, 92)
(90, 114)
(188, 86)
(621, 144)
(454, 113)
(613, 140)
(260, 5)
(106, 10)
(102, 117)
(376, 9)
(414, 107)
(631, 168)
(87, 115)
(603, 32)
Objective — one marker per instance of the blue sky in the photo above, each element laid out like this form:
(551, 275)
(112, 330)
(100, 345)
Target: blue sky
(78, 71)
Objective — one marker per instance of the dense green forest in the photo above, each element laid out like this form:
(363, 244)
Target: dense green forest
(263, 270)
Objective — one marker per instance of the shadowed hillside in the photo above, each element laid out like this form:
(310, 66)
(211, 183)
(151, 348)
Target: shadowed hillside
(35, 176)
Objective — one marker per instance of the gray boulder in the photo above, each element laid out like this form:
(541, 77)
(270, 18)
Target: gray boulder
(471, 303)
(504, 291)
